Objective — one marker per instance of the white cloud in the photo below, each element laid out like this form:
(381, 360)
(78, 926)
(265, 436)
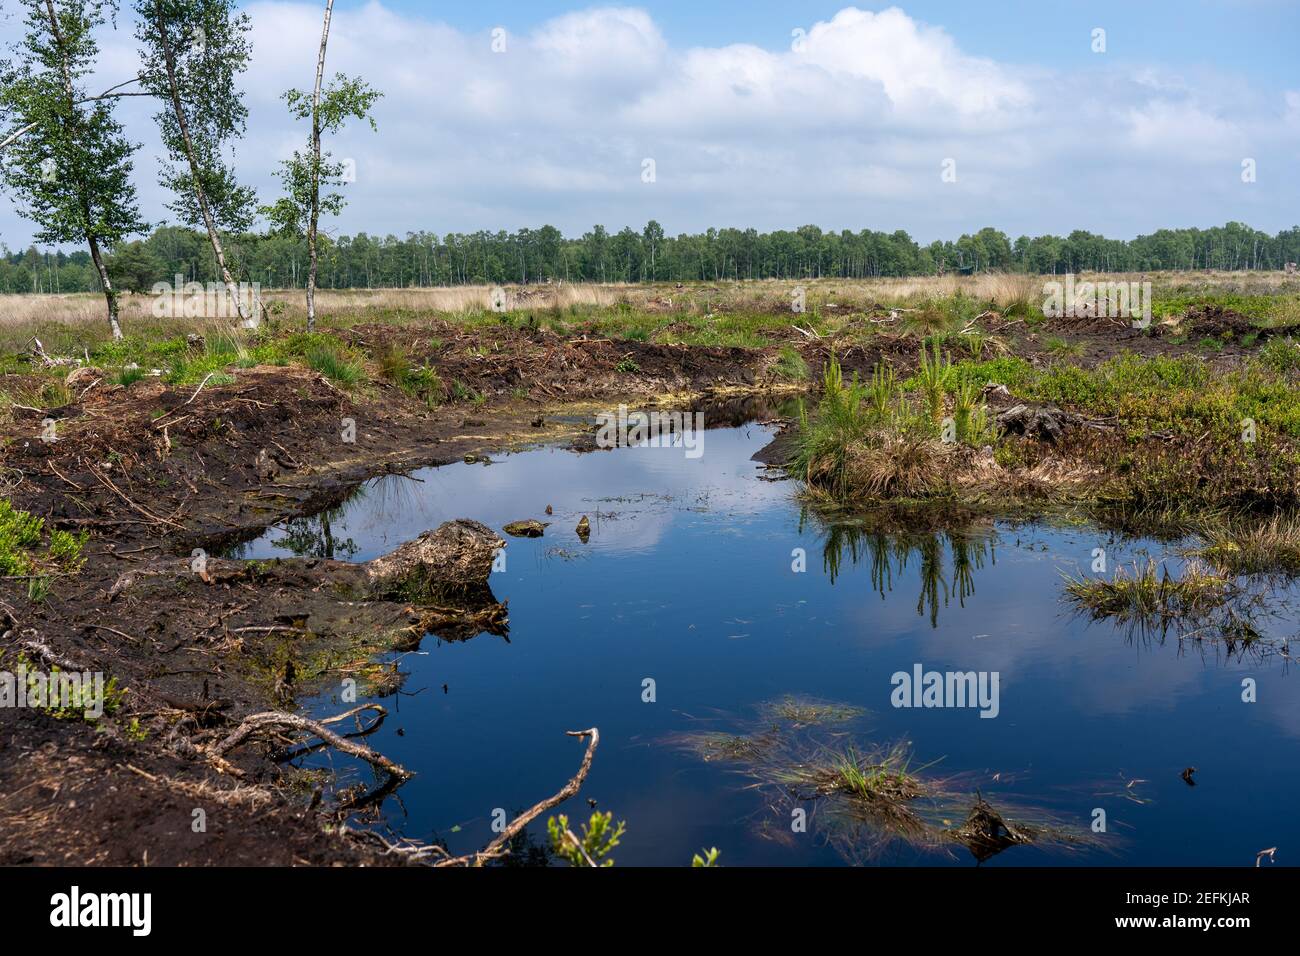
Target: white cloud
(849, 131)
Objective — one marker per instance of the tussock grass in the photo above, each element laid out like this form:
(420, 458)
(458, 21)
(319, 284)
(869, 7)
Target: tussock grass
(790, 366)
(1242, 546)
(339, 368)
(871, 441)
(1150, 593)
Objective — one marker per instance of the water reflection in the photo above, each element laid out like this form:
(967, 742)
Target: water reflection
(888, 557)
(687, 578)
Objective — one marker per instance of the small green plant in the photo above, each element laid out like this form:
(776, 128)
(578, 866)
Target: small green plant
(464, 393)
(425, 383)
(882, 392)
(933, 378)
(599, 837)
(38, 589)
(394, 365)
(627, 366)
(970, 416)
(709, 858)
(21, 534)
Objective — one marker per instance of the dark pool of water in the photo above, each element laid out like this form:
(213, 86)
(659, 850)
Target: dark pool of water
(687, 580)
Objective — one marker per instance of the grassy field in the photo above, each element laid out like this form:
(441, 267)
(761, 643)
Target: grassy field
(713, 313)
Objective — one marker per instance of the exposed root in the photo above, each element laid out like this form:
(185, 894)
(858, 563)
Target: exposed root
(272, 719)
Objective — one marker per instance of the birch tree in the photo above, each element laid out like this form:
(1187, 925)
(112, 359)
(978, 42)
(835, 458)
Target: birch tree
(66, 161)
(328, 107)
(192, 52)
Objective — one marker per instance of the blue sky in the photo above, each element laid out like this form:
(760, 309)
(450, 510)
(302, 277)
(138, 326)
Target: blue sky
(1257, 38)
(853, 126)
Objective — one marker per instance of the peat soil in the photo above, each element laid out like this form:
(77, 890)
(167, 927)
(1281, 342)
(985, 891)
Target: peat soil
(155, 472)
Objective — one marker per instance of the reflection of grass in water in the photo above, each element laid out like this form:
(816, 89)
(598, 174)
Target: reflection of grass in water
(888, 554)
(864, 799)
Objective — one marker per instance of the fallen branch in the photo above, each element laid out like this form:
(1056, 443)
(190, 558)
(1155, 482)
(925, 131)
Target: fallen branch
(274, 719)
(500, 845)
(47, 654)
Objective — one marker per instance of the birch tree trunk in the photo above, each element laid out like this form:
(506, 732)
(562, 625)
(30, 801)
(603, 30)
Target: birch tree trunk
(199, 193)
(315, 171)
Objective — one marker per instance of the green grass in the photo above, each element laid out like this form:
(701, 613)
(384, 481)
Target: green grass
(339, 368)
(130, 375)
(790, 366)
(26, 550)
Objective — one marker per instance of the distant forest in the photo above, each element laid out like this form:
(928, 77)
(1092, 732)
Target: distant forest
(278, 260)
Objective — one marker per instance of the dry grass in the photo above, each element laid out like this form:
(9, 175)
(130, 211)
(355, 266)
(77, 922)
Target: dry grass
(1253, 547)
(898, 467)
(1003, 291)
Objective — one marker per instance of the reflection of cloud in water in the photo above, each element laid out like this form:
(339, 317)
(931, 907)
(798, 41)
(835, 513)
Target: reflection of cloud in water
(632, 495)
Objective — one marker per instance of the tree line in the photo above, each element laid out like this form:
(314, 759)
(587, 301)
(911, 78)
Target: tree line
(66, 163)
(280, 257)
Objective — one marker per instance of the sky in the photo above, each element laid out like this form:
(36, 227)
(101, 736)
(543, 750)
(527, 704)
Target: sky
(936, 117)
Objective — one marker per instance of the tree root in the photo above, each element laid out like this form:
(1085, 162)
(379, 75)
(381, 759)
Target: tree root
(273, 719)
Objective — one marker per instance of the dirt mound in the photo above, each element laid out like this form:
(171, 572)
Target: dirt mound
(1215, 321)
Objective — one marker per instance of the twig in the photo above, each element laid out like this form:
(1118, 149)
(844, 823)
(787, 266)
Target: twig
(113, 630)
(157, 519)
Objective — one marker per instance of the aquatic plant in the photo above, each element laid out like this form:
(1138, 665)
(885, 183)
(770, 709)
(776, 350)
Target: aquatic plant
(863, 798)
(1150, 592)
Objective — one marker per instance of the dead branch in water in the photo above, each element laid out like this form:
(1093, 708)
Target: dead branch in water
(274, 719)
(499, 846)
(418, 853)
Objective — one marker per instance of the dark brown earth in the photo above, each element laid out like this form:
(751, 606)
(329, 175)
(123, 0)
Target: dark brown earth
(153, 472)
